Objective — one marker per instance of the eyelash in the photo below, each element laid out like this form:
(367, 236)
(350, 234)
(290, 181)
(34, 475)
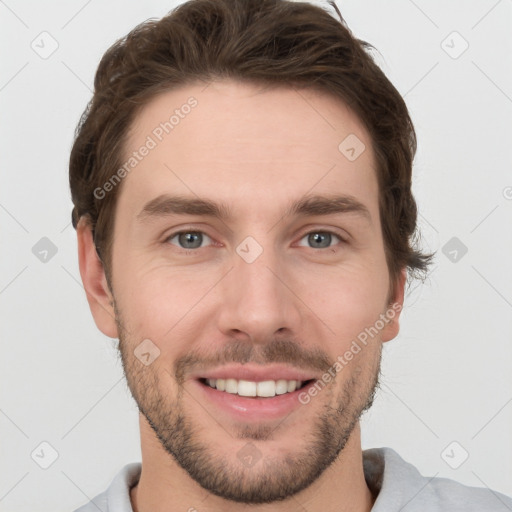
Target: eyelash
(188, 251)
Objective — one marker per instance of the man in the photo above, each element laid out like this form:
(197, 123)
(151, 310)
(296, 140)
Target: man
(242, 196)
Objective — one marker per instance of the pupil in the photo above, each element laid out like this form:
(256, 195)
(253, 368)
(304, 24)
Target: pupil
(186, 238)
(317, 238)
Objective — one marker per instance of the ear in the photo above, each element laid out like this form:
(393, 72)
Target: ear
(394, 308)
(95, 283)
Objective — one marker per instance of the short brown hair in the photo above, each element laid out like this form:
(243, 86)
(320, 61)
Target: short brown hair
(267, 42)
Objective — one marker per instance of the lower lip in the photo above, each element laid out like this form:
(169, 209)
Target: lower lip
(256, 408)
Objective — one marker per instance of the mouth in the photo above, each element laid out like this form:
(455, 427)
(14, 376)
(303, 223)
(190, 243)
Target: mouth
(256, 389)
(250, 392)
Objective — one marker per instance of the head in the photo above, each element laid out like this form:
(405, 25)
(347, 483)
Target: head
(276, 121)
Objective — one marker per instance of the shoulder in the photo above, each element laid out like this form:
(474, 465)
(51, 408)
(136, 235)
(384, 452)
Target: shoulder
(99, 503)
(117, 497)
(457, 496)
(399, 485)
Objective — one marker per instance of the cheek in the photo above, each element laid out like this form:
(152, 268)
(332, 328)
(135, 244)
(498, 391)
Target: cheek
(347, 302)
(157, 303)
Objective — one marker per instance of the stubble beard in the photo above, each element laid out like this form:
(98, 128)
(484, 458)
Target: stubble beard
(273, 478)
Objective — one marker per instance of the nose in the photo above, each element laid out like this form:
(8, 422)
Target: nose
(259, 300)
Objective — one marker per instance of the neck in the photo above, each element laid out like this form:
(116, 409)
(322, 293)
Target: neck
(341, 487)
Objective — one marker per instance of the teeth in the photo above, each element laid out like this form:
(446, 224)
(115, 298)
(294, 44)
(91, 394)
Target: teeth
(231, 386)
(292, 384)
(247, 388)
(281, 387)
(266, 388)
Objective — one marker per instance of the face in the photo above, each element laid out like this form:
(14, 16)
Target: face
(247, 259)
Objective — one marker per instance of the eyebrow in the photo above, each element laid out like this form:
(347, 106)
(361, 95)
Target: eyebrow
(308, 206)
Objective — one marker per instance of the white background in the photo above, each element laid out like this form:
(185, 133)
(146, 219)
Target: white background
(447, 376)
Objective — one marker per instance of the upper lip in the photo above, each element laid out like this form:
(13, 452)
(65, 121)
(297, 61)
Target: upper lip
(255, 373)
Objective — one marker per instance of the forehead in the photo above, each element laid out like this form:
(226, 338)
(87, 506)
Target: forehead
(242, 143)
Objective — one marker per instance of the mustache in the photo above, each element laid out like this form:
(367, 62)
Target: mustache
(277, 351)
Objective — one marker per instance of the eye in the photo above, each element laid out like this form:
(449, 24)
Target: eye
(321, 239)
(188, 239)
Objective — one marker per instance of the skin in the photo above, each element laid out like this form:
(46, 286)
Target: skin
(297, 304)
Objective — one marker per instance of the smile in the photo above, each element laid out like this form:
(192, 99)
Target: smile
(247, 388)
